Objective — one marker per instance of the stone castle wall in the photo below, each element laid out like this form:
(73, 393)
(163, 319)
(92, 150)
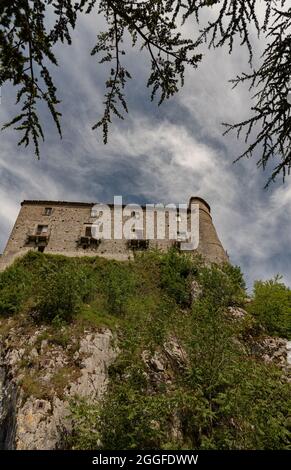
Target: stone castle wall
(67, 223)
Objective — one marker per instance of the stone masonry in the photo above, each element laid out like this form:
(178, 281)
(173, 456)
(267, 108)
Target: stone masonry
(58, 227)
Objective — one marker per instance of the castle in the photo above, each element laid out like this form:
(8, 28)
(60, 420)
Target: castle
(59, 227)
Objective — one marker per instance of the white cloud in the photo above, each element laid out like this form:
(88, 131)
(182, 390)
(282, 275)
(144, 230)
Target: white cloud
(167, 156)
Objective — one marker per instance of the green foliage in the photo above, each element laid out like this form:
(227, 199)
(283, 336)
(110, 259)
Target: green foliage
(14, 287)
(61, 291)
(214, 402)
(52, 287)
(222, 285)
(211, 346)
(235, 275)
(176, 273)
(119, 284)
(130, 419)
(84, 416)
(242, 394)
(95, 315)
(271, 305)
(27, 44)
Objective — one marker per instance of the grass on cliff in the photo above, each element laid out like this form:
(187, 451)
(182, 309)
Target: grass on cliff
(52, 289)
(221, 397)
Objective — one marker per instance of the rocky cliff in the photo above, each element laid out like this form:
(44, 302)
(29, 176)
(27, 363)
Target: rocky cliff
(34, 414)
(31, 419)
(156, 348)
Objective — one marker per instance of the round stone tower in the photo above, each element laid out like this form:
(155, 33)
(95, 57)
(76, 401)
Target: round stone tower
(210, 246)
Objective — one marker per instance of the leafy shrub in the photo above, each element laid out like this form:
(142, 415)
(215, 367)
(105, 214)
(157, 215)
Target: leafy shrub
(222, 285)
(14, 289)
(176, 271)
(216, 400)
(271, 305)
(85, 433)
(60, 291)
(34, 260)
(219, 398)
(235, 275)
(119, 284)
(129, 421)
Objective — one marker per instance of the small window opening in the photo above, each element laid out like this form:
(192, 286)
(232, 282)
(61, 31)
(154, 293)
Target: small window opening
(48, 211)
(42, 230)
(88, 231)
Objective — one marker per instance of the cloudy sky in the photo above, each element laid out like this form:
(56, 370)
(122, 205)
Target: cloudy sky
(163, 154)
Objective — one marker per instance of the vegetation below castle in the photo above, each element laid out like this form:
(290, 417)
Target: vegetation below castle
(221, 396)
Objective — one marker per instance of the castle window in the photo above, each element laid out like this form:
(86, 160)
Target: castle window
(42, 230)
(48, 211)
(88, 231)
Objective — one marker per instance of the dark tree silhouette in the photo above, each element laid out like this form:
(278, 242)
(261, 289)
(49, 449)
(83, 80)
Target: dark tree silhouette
(27, 55)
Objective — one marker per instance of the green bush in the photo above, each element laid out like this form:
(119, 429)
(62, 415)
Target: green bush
(129, 421)
(235, 275)
(222, 285)
(60, 291)
(15, 286)
(271, 305)
(217, 400)
(119, 284)
(85, 433)
(176, 272)
(242, 394)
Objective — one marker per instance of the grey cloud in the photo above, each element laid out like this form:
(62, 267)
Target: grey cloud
(156, 155)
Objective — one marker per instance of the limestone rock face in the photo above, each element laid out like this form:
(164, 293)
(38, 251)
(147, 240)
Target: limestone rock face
(39, 376)
(237, 312)
(196, 290)
(30, 423)
(8, 399)
(97, 354)
(36, 425)
(274, 350)
(162, 364)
